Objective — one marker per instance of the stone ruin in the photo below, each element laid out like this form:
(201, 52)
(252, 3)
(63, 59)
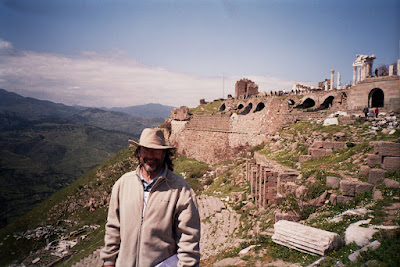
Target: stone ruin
(245, 88)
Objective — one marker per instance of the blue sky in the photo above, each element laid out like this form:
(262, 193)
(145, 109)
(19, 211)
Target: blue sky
(123, 53)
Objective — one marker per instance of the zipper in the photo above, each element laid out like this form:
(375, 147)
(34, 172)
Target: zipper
(143, 215)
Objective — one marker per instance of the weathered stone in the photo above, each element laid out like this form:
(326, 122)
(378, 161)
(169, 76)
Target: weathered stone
(344, 199)
(332, 182)
(317, 152)
(301, 191)
(376, 175)
(286, 215)
(305, 238)
(364, 170)
(391, 163)
(388, 149)
(328, 145)
(319, 201)
(362, 187)
(348, 188)
(331, 121)
(377, 195)
(180, 114)
(359, 235)
(389, 183)
(237, 196)
(304, 158)
(318, 144)
(333, 199)
(339, 145)
(374, 160)
(339, 136)
(371, 246)
(328, 151)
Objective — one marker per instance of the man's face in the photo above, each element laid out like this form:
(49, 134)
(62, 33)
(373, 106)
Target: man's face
(151, 159)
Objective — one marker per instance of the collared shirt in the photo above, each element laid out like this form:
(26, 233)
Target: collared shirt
(147, 187)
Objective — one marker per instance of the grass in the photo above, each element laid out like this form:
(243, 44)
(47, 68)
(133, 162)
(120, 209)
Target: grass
(192, 170)
(206, 109)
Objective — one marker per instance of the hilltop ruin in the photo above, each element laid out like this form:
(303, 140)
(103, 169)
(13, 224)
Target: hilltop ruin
(252, 117)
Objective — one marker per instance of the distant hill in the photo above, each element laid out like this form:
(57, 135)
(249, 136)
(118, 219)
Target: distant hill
(45, 146)
(148, 110)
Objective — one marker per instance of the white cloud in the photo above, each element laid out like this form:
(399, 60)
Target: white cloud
(110, 80)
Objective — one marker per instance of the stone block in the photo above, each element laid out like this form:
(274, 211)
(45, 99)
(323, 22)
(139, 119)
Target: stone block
(332, 182)
(317, 152)
(333, 199)
(328, 151)
(328, 145)
(286, 215)
(376, 175)
(363, 187)
(388, 149)
(389, 183)
(391, 163)
(344, 199)
(318, 144)
(364, 170)
(339, 145)
(306, 239)
(304, 158)
(348, 188)
(374, 160)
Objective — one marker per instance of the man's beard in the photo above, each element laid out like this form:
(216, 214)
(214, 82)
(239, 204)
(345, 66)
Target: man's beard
(153, 166)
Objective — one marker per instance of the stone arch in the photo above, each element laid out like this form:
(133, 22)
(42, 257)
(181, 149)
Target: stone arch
(328, 102)
(247, 109)
(291, 102)
(307, 103)
(376, 98)
(260, 106)
(222, 107)
(240, 106)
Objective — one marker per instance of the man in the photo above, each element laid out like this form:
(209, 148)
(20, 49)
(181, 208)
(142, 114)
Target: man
(153, 213)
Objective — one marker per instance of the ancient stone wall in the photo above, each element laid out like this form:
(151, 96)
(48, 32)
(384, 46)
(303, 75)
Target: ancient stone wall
(268, 180)
(359, 95)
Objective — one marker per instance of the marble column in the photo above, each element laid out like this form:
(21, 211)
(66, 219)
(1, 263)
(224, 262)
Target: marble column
(326, 85)
(338, 81)
(391, 70)
(398, 67)
(354, 74)
(358, 74)
(332, 78)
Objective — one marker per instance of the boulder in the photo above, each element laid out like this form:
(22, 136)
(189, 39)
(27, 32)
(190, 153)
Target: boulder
(332, 182)
(305, 238)
(362, 187)
(317, 152)
(286, 215)
(389, 183)
(377, 195)
(348, 188)
(374, 160)
(331, 121)
(339, 145)
(371, 246)
(364, 170)
(391, 163)
(387, 149)
(376, 175)
(339, 136)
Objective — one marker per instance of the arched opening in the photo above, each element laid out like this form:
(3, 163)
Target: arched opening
(308, 103)
(259, 107)
(247, 109)
(240, 106)
(327, 103)
(291, 102)
(376, 98)
(222, 107)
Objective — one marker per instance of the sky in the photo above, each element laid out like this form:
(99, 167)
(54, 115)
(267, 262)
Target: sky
(119, 53)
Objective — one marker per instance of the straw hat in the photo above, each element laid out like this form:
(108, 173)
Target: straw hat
(151, 138)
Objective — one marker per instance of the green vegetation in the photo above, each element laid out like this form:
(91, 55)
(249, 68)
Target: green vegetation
(206, 109)
(192, 170)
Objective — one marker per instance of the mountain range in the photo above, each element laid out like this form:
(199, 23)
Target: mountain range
(45, 146)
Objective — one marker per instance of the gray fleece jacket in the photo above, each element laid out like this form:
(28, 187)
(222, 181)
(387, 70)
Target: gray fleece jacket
(171, 222)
